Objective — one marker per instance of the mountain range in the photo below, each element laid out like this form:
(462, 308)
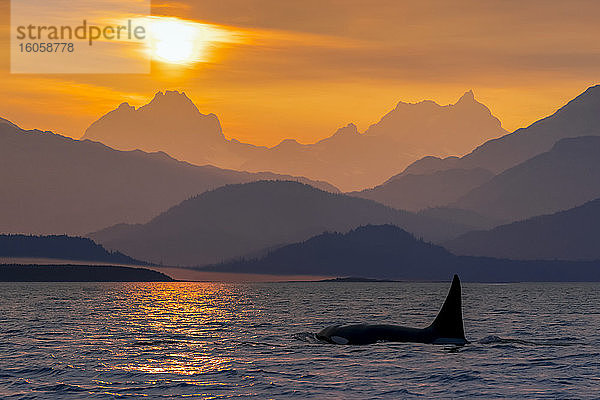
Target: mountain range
(388, 252)
(436, 189)
(567, 235)
(52, 184)
(522, 194)
(244, 219)
(348, 159)
(579, 117)
(565, 177)
(549, 166)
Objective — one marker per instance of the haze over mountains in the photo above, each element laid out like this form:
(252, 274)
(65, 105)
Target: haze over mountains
(567, 235)
(416, 192)
(566, 176)
(579, 117)
(171, 123)
(348, 159)
(55, 185)
(353, 161)
(525, 185)
(245, 219)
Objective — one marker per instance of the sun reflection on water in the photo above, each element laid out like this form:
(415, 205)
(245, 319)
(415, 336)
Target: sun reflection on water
(177, 329)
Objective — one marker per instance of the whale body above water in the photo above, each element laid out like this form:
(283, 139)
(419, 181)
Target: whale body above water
(447, 328)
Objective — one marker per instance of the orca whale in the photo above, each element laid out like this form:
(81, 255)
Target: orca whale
(447, 328)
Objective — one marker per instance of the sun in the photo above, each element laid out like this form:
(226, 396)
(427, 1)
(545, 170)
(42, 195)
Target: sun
(182, 42)
(177, 41)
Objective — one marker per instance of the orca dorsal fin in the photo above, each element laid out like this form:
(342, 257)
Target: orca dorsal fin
(449, 321)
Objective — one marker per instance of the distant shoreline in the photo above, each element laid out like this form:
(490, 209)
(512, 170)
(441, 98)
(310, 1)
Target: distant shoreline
(357, 279)
(16, 272)
(79, 273)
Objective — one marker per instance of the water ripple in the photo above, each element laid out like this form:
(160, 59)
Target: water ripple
(206, 340)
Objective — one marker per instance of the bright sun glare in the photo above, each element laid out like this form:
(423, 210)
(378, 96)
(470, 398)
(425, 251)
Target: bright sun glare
(177, 41)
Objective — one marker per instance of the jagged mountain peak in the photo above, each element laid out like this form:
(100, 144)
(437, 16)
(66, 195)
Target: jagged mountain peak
(170, 122)
(350, 129)
(353, 159)
(171, 99)
(423, 103)
(468, 97)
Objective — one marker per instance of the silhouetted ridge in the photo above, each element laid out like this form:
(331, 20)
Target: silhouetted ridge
(579, 117)
(371, 249)
(59, 247)
(467, 98)
(565, 177)
(78, 186)
(417, 192)
(240, 220)
(348, 159)
(388, 252)
(567, 235)
(9, 123)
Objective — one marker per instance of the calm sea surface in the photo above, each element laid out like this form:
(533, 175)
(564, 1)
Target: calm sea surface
(205, 340)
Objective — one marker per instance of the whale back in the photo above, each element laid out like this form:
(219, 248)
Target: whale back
(448, 325)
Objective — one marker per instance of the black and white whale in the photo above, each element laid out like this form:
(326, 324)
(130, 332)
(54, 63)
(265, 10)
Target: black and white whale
(447, 328)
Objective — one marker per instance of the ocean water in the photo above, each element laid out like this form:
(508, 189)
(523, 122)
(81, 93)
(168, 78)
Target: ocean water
(211, 340)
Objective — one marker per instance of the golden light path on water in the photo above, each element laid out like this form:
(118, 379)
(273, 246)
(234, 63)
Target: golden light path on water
(257, 340)
(178, 311)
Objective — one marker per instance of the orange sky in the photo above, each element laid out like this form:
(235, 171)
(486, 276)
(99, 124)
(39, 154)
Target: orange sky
(307, 67)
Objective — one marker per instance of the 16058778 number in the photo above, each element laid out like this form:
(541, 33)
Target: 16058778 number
(46, 47)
